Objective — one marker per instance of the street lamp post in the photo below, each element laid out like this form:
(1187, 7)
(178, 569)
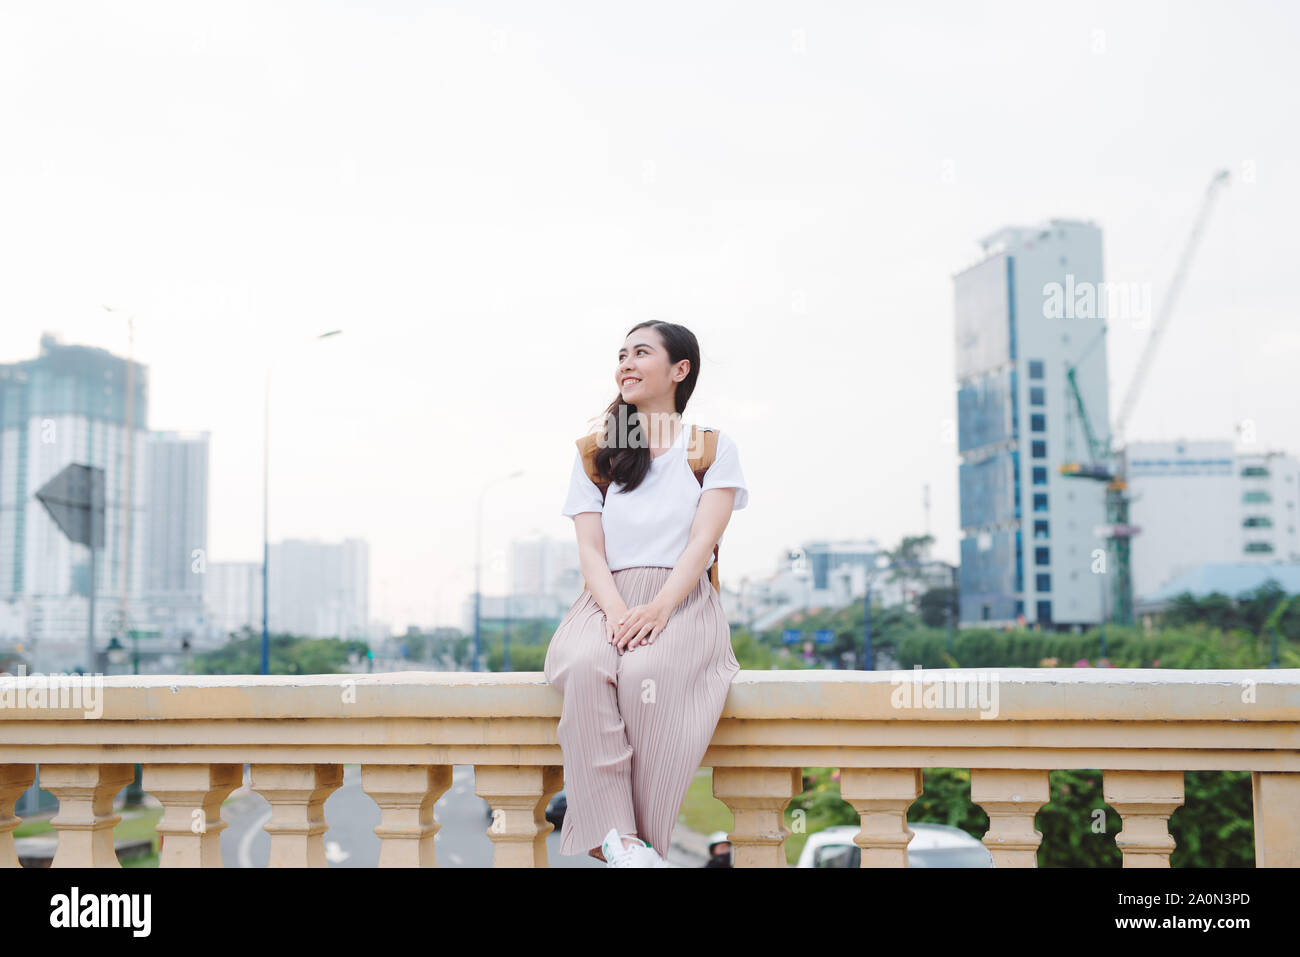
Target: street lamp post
(881, 564)
(478, 566)
(266, 471)
(952, 597)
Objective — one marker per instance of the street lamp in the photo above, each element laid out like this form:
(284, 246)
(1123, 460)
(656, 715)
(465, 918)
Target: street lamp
(116, 652)
(478, 565)
(266, 471)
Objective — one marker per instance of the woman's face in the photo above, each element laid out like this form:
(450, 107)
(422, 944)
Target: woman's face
(644, 375)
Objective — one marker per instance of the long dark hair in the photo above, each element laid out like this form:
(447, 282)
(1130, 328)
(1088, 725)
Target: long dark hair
(629, 466)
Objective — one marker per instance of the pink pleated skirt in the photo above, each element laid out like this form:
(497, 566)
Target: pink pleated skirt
(635, 726)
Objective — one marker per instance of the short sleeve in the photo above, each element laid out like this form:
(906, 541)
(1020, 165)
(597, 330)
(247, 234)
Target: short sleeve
(725, 472)
(584, 495)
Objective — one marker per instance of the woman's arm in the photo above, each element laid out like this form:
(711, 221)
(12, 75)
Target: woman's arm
(595, 567)
(711, 518)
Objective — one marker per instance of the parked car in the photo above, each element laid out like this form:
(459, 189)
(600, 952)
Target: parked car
(933, 845)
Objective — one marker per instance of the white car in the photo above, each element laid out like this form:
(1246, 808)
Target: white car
(933, 845)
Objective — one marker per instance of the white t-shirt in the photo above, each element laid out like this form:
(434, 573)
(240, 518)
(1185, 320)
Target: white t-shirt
(651, 525)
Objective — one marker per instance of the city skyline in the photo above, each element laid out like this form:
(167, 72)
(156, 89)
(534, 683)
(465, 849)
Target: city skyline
(797, 187)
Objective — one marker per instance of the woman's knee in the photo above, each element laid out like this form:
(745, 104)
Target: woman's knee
(582, 670)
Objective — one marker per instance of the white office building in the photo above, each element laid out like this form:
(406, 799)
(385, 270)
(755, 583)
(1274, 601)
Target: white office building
(1269, 504)
(176, 536)
(319, 589)
(1200, 502)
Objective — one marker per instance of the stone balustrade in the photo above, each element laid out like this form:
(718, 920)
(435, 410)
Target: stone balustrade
(1142, 727)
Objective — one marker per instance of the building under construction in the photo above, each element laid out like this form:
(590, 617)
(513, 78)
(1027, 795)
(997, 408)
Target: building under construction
(1024, 313)
(1046, 528)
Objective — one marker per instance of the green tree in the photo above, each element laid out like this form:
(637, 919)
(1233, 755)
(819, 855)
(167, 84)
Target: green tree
(289, 655)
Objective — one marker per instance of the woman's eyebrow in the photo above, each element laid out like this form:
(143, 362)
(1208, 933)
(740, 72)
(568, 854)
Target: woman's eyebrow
(637, 346)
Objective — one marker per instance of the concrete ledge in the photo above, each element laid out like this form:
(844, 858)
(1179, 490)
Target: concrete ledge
(1044, 694)
(1142, 727)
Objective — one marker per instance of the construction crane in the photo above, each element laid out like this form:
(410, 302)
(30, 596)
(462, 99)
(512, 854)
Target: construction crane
(1107, 458)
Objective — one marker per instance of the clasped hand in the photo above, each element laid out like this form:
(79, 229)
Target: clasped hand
(640, 624)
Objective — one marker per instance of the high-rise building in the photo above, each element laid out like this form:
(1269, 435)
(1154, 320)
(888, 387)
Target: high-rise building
(1030, 309)
(232, 594)
(176, 533)
(70, 405)
(545, 577)
(319, 589)
(545, 566)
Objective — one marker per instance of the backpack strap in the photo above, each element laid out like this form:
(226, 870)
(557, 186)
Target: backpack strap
(587, 446)
(701, 451)
(700, 455)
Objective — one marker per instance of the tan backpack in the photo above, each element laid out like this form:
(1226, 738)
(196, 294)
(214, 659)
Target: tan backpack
(699, 456)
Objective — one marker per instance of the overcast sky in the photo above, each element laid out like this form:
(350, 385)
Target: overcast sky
(486, 196)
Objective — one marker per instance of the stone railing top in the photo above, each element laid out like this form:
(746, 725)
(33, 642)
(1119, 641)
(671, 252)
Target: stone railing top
(1017, 694)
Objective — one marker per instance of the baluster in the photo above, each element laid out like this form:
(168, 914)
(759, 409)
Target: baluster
(757, 798)
(406, 794)
(85, 820)
(518, 795)
(1277, 818)
(1144, 800)
(297, 794)
(881, 796)
(191, 796)
(1011, 799)
(14, 780)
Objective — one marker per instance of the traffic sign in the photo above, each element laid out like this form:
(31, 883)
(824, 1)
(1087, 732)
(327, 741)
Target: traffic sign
(75, 500)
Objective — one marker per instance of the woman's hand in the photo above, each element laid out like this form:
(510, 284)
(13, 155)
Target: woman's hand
(641, 624)
(611, 617)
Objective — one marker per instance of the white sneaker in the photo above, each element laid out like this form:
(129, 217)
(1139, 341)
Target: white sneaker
(638, 855)
(651, 857)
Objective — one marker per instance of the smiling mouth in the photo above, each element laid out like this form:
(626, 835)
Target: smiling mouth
(629, 381)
